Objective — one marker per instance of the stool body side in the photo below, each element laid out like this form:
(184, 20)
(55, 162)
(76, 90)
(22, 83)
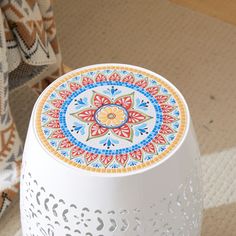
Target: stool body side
(59, 199)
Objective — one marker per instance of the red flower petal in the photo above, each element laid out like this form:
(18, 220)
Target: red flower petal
(159, 139)
(168, 119)
(137, 155)
(167, 108)
(161, 98)
(64, 94)
(136, 117)
(100, 100)
(150, 148)
(115, 77)
(96, 130)
(128, 79)
(124, 132)
(166, 130)
(53, 124)
(57, 103)
(125, 101)
(142, 83)
(90, 157)
(76, 151)
(57, 134)
(100, 78)
(106, 160)
(122, 159)
(87, 80)
(153, 90)
(86, 115)
(53, 113)
(65, 144)
(74, 86)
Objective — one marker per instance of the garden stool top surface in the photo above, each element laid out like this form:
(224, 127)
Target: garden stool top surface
(111, 118)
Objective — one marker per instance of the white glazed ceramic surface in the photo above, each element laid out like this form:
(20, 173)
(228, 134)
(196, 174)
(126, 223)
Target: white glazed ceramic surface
(111, 150)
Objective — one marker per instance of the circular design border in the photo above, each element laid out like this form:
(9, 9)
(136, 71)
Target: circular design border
(111, 105)
(72, 139)
(133, 69)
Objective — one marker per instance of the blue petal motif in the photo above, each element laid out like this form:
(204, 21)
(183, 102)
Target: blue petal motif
(79, 128)
(148, 157)
(53, 143)
(53, 95)
(79, 160)
(82, 102)
(164, 90)
(63, 86)
(139, 75)
(172, 101)
(64, 153)
(132, 163)
(153, 82)
(46, 132)
(176, 125)
(171, 137)
(76, 79)
(161, 149)
(108, 142)
(176, 112)
(141, 104)
(107, 71)
(112, 91)
(115, 166)
(91, 73)
(140, 130)
(96, 165)
(44, 119)
(124, 72)
(46, 107)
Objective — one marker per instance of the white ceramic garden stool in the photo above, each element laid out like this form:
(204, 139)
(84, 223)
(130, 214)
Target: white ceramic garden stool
(111, 150)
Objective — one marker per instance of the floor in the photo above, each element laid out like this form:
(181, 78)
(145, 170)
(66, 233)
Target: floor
(224, 10)
(193, 44)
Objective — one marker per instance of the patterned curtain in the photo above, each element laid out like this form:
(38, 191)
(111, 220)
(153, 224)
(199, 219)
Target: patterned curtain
(29, 53)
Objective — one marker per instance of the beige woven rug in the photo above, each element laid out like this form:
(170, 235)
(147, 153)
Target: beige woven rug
(195, 52)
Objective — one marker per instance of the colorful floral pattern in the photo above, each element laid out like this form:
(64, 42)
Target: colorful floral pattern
(110, 119)
(111, 116)
(106, 115)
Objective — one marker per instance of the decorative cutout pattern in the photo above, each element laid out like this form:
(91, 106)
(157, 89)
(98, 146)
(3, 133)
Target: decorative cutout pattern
(110, 119)
(178, 213)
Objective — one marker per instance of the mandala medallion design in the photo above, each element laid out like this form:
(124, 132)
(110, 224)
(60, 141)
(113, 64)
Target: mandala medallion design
(110, 118)
(115, 116)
